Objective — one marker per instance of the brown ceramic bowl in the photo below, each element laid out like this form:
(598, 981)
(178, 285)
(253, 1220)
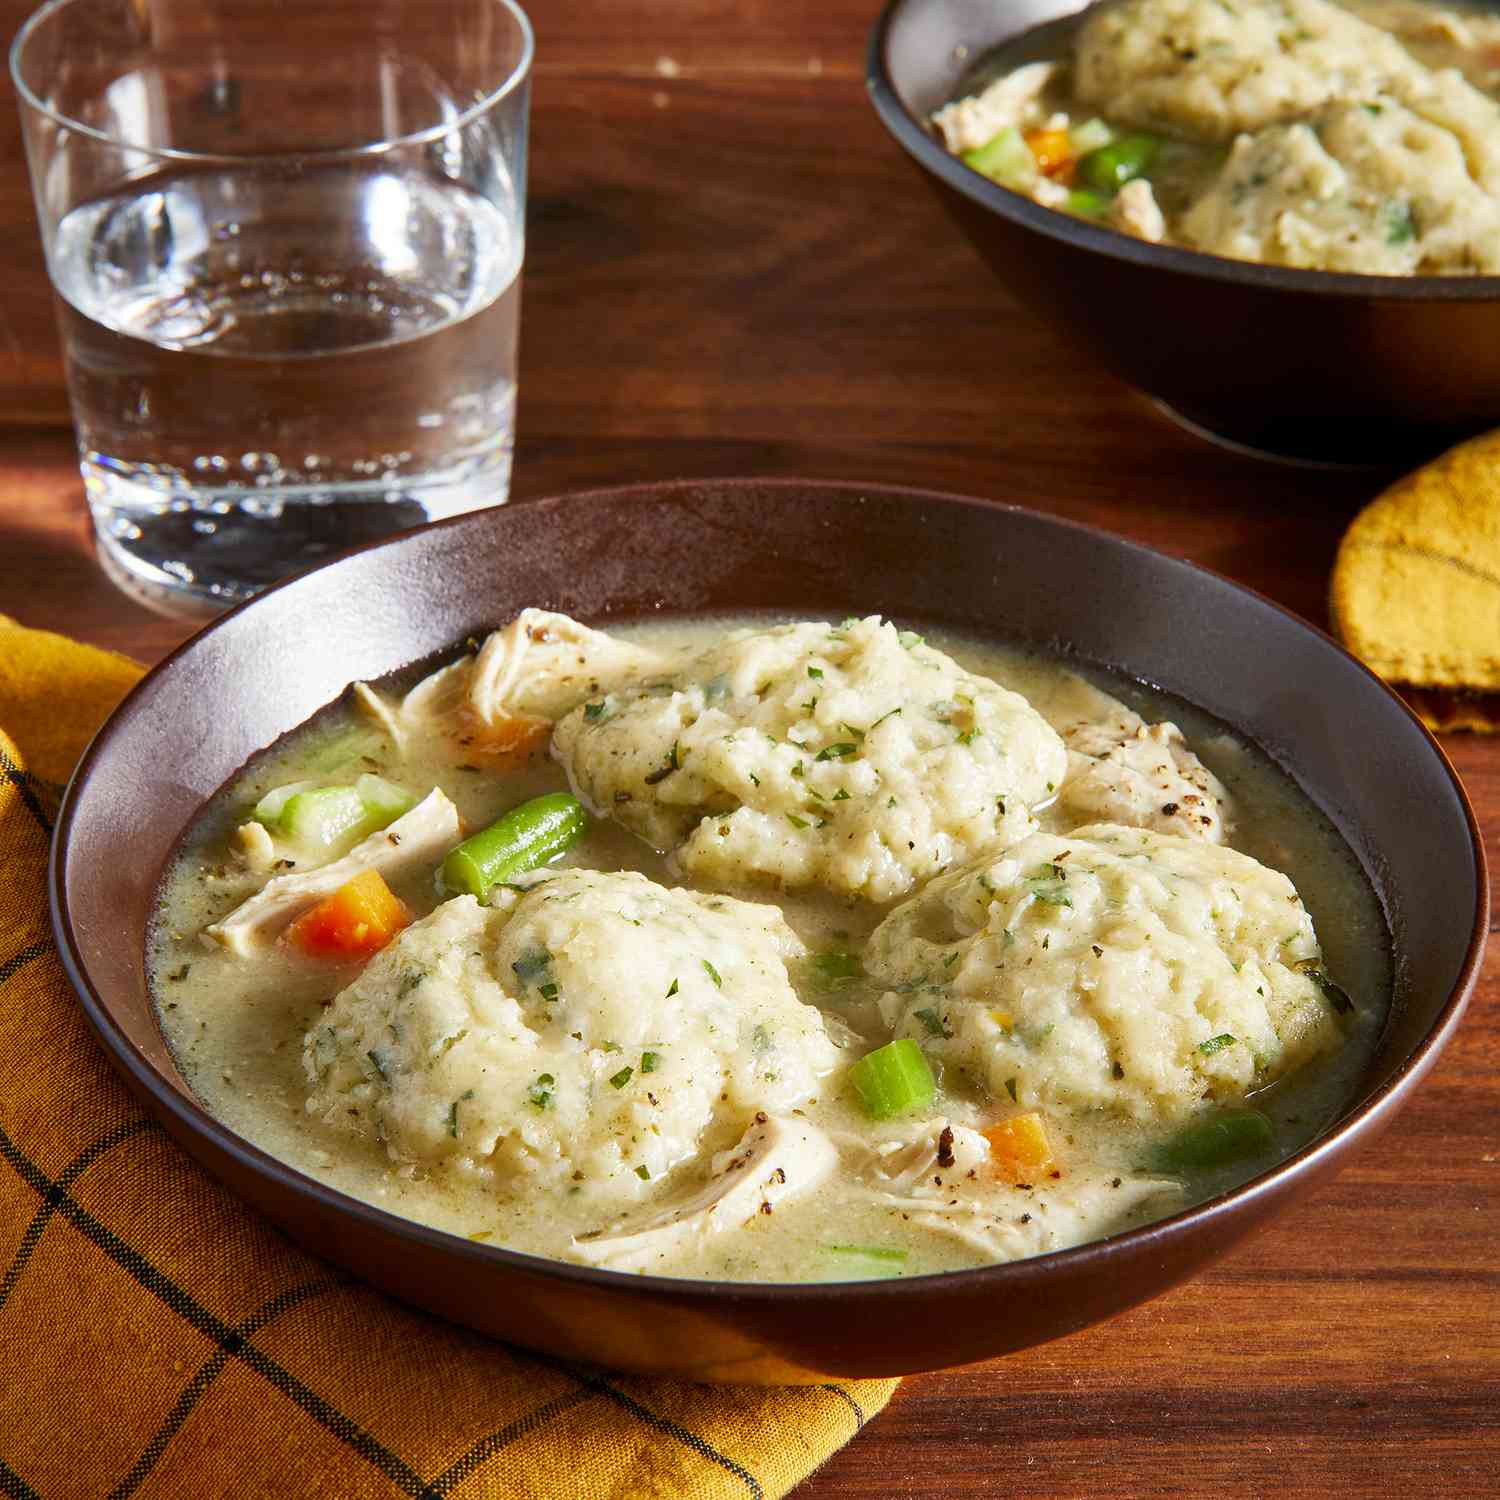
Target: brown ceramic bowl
(1305, 364)
(791, 546)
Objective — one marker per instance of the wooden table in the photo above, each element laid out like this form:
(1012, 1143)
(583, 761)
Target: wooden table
(732, 270)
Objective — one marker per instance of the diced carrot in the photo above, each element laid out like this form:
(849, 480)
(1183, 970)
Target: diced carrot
(1019, 1148)
(357, 920)
(508, 741)
(1052, 149)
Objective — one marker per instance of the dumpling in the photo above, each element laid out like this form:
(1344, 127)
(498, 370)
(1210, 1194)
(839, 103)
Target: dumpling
(588, 1033)
(1113, 968)
(1201, 68)
(853, 757)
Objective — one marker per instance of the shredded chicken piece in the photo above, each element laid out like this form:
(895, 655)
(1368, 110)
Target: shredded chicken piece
(1024, 1221)
(524, 676)
(1012, 100)
(777, 1159)
(542, 664)
(1135, 211)
(255, 846)
(1124, 770)
(429, 830)
(930, 1147)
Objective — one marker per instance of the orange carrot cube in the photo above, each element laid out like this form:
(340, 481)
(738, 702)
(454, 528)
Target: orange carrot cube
(1019, 1148)
(356, 921)
(1052, 149)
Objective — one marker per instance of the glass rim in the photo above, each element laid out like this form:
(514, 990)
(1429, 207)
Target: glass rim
(512, 81)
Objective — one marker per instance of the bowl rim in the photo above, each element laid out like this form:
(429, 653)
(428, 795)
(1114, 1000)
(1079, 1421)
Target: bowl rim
(1092, 1256)
(914, 138)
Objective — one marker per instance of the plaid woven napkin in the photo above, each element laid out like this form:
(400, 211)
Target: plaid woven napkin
(159, 1340)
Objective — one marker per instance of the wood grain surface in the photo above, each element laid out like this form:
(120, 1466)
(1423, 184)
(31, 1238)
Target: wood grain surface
(731, 270)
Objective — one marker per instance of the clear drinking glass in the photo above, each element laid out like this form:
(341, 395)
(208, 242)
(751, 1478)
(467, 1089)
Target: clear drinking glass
(286, 243)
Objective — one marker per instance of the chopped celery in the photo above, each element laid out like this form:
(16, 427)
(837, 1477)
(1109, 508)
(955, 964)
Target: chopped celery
(863, 1262)
(322, 815)
(383, 800)
(893, 1080)
(1089, 136)
(1087, 204)
(1216, 1141)
(270, 807)
(1005, 158)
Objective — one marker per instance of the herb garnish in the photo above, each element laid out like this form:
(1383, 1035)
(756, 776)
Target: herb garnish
(1217, 1043)
(620, 1079)
(839, 751)
(540, 1092)
(836, 965)
(531, 965)
(932, 1022)
(1046, 884)
(712, 973)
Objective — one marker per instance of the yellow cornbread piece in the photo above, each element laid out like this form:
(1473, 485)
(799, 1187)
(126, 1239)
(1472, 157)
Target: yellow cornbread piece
(1415, 592)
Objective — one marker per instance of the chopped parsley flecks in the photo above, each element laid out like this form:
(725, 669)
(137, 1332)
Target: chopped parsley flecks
(620, 1079)
(674, 763)
(1217, 1043)
(837, 965)
(1400, 223)
(1048, 884)
(531, 965)
(540, 1092)
(712, 973)
(931, 1021)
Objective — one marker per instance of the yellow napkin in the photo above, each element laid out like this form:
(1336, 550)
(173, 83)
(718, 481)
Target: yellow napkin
(159, 1340)
(1415, 591)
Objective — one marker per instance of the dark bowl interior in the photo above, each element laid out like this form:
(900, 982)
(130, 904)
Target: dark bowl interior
(1308, 364)
(791, 546)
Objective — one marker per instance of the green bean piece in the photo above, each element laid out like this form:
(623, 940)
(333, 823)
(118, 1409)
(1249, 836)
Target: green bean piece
(1227, 1136)
(526, 838)
(1087, 204)
(1110, 167)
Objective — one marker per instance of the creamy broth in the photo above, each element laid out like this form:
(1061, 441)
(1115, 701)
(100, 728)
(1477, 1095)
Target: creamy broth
(236, 1024)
